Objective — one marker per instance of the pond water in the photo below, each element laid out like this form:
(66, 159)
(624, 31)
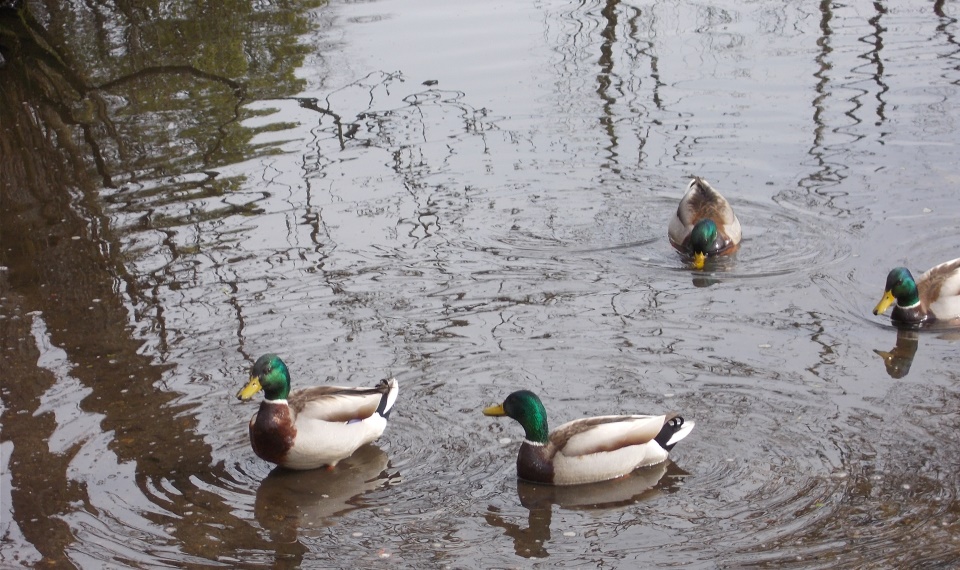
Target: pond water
(474, 198)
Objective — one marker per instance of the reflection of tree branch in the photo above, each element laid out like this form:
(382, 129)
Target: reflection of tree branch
(310, 103)
(874, 57)
(827, 173)
(606, 75)
(386, 78)
(33, 43)
(56, 274)
(238, 89)
(823, 65)
(58, 147)
(944, 27)
(38, 62)
(313, 104)
(35, 52)
(239, 92)
(647, 51)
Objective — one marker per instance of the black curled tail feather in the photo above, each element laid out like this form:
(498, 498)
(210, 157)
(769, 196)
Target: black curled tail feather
(669, 428)
(389, 389)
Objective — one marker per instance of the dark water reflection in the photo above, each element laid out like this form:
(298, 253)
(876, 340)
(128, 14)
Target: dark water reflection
(292, 502)
(533, 540)
(475, 199)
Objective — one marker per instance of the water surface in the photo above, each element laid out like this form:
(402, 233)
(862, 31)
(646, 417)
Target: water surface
(474, 198)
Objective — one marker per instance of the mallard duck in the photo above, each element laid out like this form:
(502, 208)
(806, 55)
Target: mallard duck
(933, 297)
(589, 449)
(312, 427)
(705, 224)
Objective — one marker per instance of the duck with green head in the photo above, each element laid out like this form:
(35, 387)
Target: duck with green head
(704, 225)
(312, 427)
(935, 297)
(587, 450)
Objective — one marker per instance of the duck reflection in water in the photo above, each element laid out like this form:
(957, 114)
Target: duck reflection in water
(640, 485)
(899, 358)
(714, 269)
(289, 502)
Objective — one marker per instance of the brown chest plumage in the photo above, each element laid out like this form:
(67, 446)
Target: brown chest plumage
(915, 315)
(272, 432)
(534, 465)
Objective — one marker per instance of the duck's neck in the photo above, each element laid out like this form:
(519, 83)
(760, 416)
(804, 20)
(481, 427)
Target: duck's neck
(535, 430)
(909, 301)
(906, 291)
(530, 413)
(910, 314)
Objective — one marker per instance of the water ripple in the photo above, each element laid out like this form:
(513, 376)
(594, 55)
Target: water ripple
(778, 241)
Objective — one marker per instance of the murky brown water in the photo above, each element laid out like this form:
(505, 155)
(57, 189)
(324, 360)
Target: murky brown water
(474, 198)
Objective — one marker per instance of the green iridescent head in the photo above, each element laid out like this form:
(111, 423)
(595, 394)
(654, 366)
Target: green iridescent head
(525, 407)
(269, 374)
(703, 236)
(901, 288)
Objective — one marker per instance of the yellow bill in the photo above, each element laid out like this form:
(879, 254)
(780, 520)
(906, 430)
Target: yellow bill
(699, 260)
(252, 387)
(884, 304)
(496, 410)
